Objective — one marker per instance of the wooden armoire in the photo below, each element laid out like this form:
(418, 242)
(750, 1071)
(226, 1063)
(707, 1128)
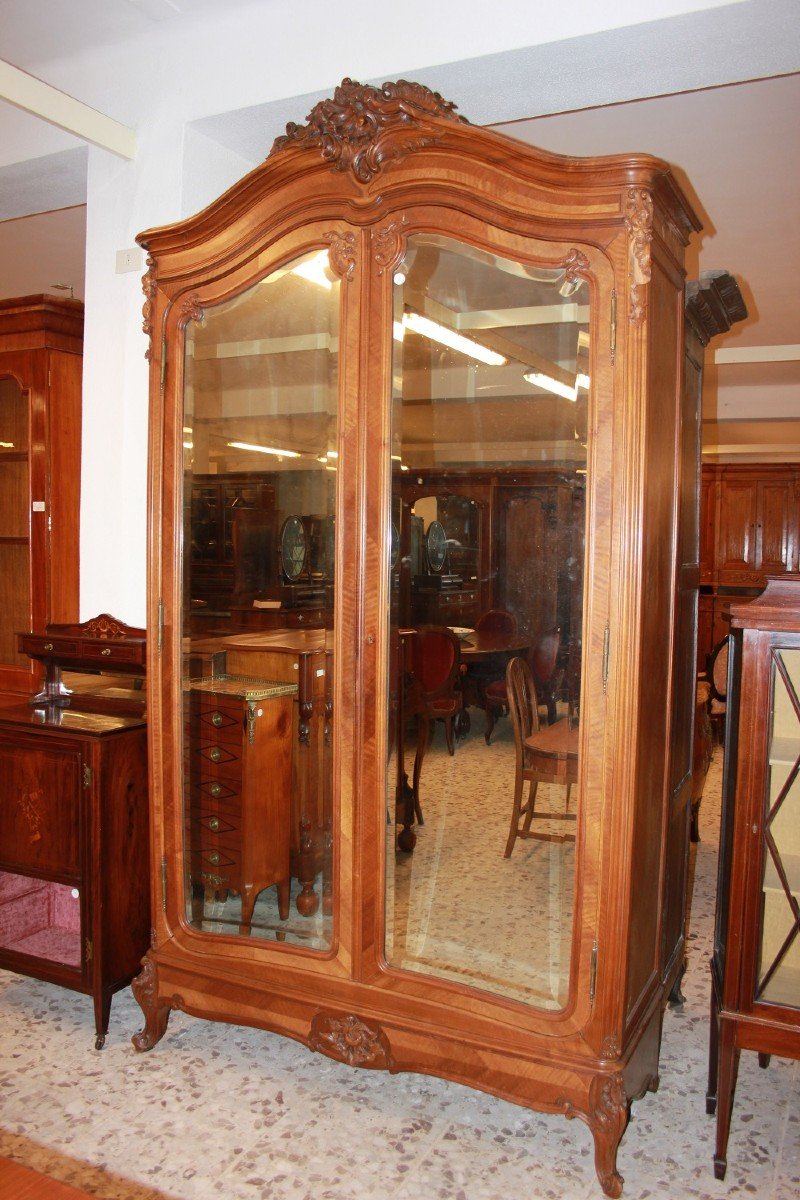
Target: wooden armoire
(395, 290)
(41, 363)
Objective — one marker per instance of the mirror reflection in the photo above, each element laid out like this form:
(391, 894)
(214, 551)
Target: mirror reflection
(260, 455)
(491, 378)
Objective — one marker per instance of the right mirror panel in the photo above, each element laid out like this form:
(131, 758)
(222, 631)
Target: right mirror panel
(491, 384)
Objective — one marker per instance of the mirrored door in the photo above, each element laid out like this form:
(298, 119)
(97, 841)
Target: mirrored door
(260, 458)
(491, 395)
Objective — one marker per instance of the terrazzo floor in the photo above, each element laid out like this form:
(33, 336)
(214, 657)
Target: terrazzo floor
(220, 1111)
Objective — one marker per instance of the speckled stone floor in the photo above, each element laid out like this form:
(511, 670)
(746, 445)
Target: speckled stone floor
(219, 1111)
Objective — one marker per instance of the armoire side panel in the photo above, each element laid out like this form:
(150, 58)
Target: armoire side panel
(658, 543)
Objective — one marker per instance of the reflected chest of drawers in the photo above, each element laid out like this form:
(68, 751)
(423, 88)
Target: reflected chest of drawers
(238, 790)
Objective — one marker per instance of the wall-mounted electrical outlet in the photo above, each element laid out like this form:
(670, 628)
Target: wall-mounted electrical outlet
(130, 260)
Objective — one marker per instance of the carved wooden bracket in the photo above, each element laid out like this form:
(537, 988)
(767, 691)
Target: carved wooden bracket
(357, 129)
(349, 1039)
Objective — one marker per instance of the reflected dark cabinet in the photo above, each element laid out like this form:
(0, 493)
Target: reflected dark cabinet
(463, 355)
(755, 968)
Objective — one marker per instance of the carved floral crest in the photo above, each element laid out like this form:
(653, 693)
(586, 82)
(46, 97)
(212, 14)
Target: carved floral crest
(357, 128)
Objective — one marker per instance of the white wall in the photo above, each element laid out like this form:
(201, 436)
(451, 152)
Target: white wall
(242, 55)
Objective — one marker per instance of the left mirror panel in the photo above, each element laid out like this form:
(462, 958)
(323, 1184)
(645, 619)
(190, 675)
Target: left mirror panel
(261, 377)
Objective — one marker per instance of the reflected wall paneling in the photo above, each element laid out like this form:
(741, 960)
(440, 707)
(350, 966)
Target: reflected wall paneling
(41, 347)
(396, 294)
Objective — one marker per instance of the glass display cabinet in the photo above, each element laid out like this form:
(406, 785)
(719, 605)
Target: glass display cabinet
(755, 968)
(396, 294)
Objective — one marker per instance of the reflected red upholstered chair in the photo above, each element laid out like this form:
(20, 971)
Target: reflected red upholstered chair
(434, 688)
(543, 663)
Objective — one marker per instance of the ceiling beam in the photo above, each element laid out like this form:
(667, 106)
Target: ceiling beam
(32, 95)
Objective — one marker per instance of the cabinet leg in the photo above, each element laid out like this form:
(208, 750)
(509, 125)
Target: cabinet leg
(308, 900)
(726, 1086)
(763, 1060)
(713, 1055)
(102, 1012)
(607, 1118)
(156, 1012)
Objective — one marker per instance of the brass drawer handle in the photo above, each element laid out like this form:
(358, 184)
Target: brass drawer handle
(216, 789)
(215, 754)
(213, 823)
(213, 858)
(216, 718)
(106, 651)
(48, 646)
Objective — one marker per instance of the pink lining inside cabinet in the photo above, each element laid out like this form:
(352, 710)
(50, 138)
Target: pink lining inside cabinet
(40, 918)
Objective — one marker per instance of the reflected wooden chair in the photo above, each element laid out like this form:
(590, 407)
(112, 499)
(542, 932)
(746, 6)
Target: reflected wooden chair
(543, 659)
(491, 670)
(717, 674)
(433, 692)
(547, 755)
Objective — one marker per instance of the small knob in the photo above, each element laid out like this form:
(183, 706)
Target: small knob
(106, 651)
(215, 754)
(213, 823)
(49, 646)
(213, 858)
(216, 718)
(216, 790)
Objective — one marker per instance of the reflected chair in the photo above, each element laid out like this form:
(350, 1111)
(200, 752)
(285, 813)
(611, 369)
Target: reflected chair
(499, 623)
(541, 756)
(543, 659)
(717, 673)
(433, 691)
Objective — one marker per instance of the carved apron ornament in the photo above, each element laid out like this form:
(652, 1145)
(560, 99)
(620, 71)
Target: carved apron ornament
(358, 129)
(351, 1040)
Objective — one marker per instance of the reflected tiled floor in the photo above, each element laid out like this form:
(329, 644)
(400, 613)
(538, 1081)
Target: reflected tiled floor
(219, 1111)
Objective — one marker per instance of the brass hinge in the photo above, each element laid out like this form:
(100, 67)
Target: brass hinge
(164, 883)
(606, 644)
(613, 346)
(88, 949)
(593, 973)
(163, 361)
(87, 775)
(160, 631)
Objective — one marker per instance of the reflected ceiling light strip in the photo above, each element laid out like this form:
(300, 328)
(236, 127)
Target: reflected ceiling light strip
(315, 270)
(448, 337)
(539, 379)
(264, 449)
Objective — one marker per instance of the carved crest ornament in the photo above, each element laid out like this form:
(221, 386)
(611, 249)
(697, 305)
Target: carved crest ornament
(358, 128)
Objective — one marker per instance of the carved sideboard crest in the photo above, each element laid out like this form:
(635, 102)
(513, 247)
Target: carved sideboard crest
(351, 1040)
(105, 626)
(639, 224)
(354, 129)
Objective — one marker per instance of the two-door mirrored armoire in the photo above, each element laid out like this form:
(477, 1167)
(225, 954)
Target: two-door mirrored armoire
(410, 359)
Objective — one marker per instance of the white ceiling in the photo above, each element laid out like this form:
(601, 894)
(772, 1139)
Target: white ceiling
(736, 149)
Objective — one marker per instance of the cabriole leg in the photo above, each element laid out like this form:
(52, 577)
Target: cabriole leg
(156, 1012)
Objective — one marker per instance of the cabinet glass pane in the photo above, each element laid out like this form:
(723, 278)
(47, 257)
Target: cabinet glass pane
(260, 454)
(15, 602)
(779, 959)
(489, 427)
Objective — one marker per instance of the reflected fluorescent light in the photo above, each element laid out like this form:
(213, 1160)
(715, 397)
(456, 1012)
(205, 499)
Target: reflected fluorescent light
(264, 449)
(188, 445)
(557, 386)
(448, 337)
(315, 270)
(6, 445)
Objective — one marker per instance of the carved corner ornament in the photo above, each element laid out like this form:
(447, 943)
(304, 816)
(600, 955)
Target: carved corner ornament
(149, 289)
(343, 254)
(350, 1040)
(389, 243)
(639, 224)
(357, 129)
